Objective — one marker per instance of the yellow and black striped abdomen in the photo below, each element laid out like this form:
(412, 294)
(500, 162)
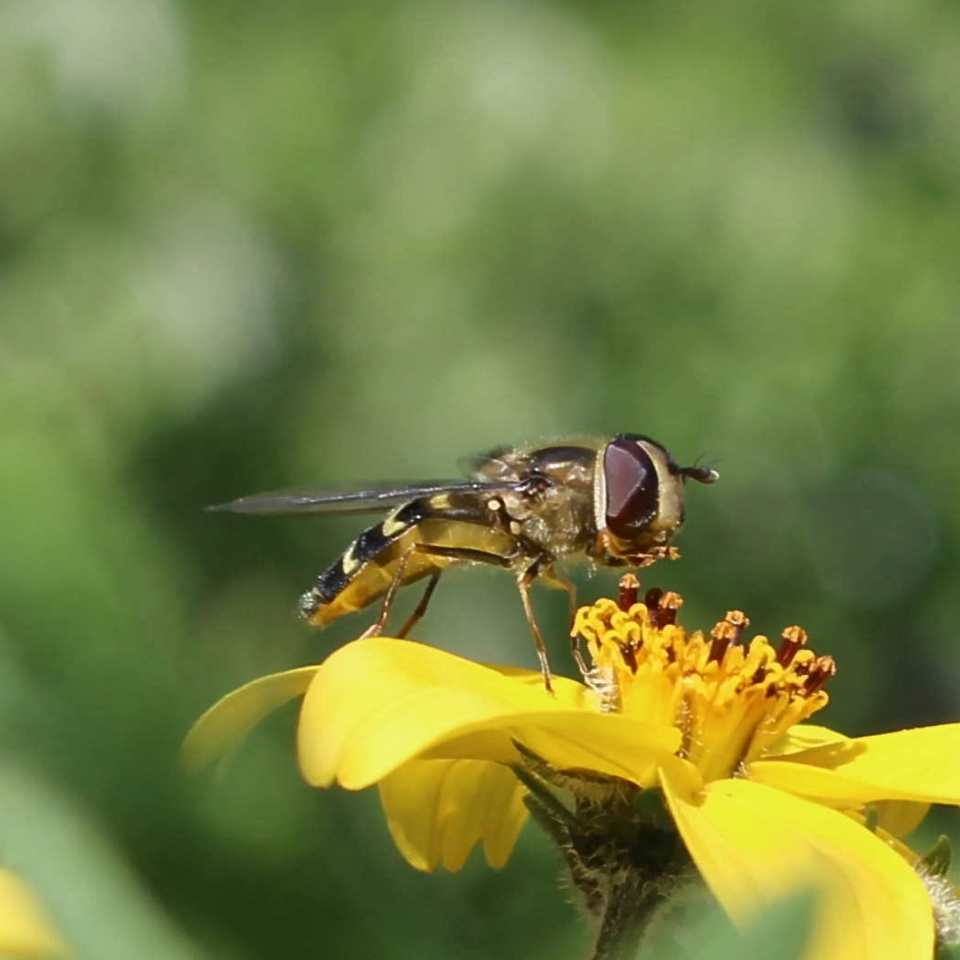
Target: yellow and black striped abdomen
(367, 568)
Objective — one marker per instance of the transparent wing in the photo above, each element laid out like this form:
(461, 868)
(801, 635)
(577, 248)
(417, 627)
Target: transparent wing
(354, 501)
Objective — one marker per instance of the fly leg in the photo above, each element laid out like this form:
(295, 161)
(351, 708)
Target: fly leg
(376, 628)
(465, 555)
(421, 607)
(523, 585)
(550, 578)
(432, 550)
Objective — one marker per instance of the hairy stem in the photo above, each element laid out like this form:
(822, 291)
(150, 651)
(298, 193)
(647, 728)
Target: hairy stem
(630, 903)
(622, 850)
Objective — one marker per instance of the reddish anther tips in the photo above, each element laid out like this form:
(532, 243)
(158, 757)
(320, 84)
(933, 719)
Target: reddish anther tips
(793, 638)
(727, 631)
(667, 606)
(738, 619)
(629, 591)
(821, 671)
(722, 635)
(663, 606)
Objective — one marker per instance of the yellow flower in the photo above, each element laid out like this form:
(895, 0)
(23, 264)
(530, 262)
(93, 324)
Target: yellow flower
(25, 930)
(708, 727)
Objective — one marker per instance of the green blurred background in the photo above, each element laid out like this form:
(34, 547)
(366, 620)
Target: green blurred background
(248, 246)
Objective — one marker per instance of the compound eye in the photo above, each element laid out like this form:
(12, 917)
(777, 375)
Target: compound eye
(632, 488)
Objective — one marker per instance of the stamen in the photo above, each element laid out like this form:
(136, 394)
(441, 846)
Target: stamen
(726, 632)
(793, 638)
(822, 669)
(802, 667)
(730, 699)
(668, 605)
(739, 621)
(721, 636)
(629, 590)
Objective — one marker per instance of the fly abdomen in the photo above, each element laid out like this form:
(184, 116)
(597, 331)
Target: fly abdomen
(367, 568)
(358, 575)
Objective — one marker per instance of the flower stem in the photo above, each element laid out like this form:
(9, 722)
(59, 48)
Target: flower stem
(623, 853)
(626, 916)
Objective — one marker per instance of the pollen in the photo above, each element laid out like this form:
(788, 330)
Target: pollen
(729, 695)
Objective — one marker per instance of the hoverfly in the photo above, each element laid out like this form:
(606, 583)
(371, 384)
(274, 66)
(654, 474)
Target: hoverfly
(615, 501)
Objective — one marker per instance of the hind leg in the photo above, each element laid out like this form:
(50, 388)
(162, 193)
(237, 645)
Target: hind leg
(463, 554)
(376, 628)
(421, 607)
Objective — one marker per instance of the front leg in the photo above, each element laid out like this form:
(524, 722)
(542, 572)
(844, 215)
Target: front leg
(526, 577)
(550, 578)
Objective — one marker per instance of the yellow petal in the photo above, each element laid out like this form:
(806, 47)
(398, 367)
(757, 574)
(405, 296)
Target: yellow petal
(225, 725)
(753, 844)
(900, 817)
(566, 692)
(376, 704)
(438, 810)
(25, 931)
(803, 736)
(918, 764)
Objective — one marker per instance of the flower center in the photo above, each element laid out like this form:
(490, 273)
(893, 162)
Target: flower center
(729, 699)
